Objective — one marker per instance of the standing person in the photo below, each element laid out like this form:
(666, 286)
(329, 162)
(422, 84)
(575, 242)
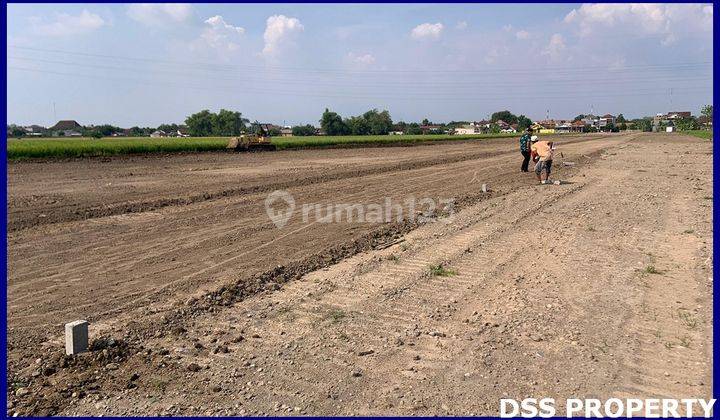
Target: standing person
(533, 150)
(525, 149)
(544, 150)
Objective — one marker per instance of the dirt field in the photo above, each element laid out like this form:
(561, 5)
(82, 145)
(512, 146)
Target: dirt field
(598, 287)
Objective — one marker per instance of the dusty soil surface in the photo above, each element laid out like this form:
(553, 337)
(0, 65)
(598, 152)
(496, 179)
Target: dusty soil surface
(598, 287)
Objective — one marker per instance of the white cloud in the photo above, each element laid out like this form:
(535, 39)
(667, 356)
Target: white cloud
(364, 59)
(507, 28)
(159, 14)
(522, 34)
(280, 29)
(66, 24)
(427, 31)
(642, 18)
(217, 22)
(221, 35)
(462, 25)
(555, 47)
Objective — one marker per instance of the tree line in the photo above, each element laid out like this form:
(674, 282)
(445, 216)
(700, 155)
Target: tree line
(704, 121)
(373, 122)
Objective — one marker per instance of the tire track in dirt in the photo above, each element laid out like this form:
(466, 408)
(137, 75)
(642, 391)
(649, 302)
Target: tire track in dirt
(153, 205)
(546, 336)
(560, 331)
(371, 329)
(218, 230)
(440, 184)
(25, 218)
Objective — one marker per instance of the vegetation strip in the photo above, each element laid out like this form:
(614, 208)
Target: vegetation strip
(89, 147)
(703, 134)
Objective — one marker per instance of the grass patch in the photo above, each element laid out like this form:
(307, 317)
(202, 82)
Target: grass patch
(703, 134)
(335, 316)
(688, 319)
(685, 341)
(160, 385)
(605, 347)
(59, 147)
(439, 270)
(650, 269)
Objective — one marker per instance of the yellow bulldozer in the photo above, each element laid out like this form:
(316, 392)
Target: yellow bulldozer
(252, 142)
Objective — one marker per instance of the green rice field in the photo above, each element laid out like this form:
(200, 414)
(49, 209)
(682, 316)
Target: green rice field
(703, 134)
(112, 146)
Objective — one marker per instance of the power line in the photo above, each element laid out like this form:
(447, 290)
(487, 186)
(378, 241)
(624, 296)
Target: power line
(225, 89)
(235, 67)
(390, 85)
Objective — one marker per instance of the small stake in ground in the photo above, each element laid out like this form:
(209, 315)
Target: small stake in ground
(76, 337)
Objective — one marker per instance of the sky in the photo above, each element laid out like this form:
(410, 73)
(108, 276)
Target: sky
(148, 64)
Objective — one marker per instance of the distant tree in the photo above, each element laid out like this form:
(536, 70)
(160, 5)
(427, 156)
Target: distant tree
(136, 131)
(107, 130)
(452, 125)
(506, 116)
(523, 122)
(200, 124)
(684, 124)
(168, 128)
(379, 123)
(228, 123)
(357, 126)
(494, 128)
(579, 117)
(644, 124)
(620, 119)
(303, 130)
(426, 122)
(400, 126)
(622, 126)
(15, 131)
(414, 129)
(332, 123)
(707, 111)
(96, 134)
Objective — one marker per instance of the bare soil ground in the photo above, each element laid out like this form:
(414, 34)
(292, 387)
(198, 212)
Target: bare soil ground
(598, 287)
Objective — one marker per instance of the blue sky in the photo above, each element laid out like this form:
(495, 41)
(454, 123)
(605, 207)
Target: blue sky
(147, 64)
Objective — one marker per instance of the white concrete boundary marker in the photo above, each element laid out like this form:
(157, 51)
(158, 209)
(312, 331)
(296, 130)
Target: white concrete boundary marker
(76, 337)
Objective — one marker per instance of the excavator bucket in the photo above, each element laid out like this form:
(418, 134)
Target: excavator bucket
(233, 143)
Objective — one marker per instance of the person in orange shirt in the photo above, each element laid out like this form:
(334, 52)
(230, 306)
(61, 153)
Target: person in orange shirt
(544, 151)
(533, 152)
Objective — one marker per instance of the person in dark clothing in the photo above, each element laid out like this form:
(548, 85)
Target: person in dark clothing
(525, 149)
